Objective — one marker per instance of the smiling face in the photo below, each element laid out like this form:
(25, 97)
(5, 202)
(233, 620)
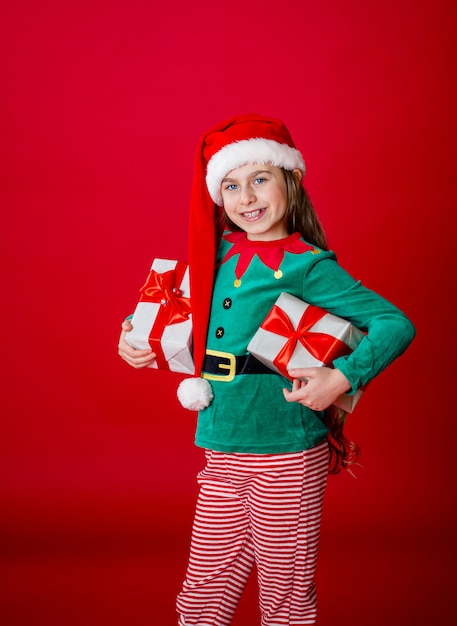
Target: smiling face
(255, 199)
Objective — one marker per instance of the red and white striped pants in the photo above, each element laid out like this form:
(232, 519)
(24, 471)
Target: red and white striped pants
(256, 509)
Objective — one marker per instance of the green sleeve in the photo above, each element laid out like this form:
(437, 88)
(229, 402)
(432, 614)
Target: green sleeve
(388, 331)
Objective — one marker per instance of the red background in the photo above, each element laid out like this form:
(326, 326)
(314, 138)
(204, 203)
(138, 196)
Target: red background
(102, 105)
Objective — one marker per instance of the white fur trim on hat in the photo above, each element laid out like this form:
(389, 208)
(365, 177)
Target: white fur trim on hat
(240, 153)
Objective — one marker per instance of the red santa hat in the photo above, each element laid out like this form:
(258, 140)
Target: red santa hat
(240, 140)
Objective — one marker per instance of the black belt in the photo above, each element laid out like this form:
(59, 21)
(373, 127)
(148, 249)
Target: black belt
(225, 366)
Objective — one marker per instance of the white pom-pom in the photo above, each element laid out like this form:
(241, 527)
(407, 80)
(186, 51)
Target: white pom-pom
(195, 394)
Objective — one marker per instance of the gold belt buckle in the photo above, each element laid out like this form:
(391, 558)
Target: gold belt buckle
(230, 366)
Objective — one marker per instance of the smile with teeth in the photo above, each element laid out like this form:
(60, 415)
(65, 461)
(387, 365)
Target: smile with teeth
(253, 215)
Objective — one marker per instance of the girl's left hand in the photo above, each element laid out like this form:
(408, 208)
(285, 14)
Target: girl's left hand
(316, 387)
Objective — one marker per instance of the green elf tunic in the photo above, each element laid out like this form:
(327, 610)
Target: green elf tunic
(249, 413)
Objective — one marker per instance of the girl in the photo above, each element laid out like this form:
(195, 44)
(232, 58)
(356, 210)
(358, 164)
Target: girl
(269, 443)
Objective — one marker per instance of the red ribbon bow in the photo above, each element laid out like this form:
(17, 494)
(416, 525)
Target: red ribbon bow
(323, 347)
(164, 290)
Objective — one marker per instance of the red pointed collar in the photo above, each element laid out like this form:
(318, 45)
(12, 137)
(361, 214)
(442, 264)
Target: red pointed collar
(271, 253)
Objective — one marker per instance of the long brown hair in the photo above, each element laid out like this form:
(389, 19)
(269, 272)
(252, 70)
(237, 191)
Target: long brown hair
(302, 218)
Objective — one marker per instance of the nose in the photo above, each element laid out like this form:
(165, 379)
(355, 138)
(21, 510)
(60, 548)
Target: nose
(247, 196)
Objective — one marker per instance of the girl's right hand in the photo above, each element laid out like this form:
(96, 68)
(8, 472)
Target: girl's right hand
(135, 358)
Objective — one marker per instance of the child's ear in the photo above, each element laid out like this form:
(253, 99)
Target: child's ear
(298, 174)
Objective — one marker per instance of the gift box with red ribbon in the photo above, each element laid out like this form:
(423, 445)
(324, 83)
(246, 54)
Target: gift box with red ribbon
(296, 334)
(162, 318)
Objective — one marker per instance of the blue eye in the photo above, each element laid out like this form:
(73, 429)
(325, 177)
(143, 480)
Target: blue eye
(259, 181)
(231, 187)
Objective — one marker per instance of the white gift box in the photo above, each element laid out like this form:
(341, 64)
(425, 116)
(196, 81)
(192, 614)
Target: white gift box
(162, 320)
(321, 338)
